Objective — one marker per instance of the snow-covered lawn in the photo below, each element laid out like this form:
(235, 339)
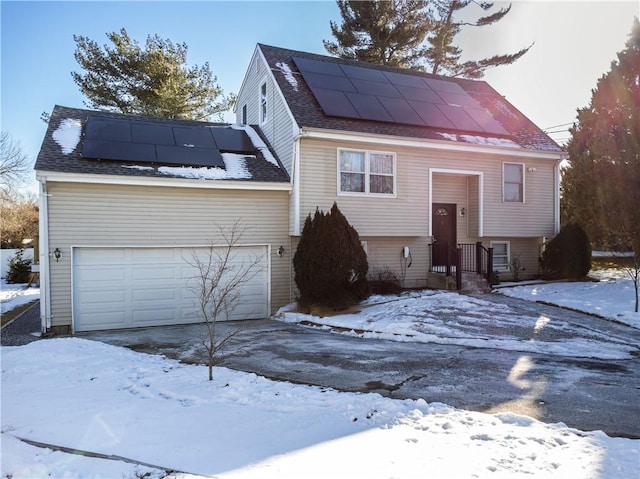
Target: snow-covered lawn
(612, 296)
(104, 399)
(14, 295)
(89, 396)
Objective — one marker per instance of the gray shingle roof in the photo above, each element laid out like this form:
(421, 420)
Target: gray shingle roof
(308, 113)
(52, 157)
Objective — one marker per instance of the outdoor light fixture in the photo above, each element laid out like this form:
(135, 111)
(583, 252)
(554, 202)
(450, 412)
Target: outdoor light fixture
(280, 250)
(463, 212)
(57, 254)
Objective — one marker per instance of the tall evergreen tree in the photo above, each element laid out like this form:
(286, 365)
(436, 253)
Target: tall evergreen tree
(388, 32)
(153, 80)
(417, 34)
(443, 56)
(601, 186)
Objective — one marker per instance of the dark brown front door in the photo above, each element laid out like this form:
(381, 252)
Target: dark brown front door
(443, 223)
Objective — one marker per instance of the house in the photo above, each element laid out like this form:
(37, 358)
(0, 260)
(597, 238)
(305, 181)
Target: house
(438, 175)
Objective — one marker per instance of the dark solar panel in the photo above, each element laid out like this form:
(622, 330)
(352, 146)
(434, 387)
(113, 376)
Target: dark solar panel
(360, 73)
(235, 141)
(486, 121)
(368, 107)
(118, 150)
(315, 66)
(459, 118)
(465, 100)
(448, 86)
(401, 111)
(153, 133)
(406, 80)
(193, 136)
(375, 88)
(431, 115)
(317, 80)
(101, 128)
(419, 94)
(334, 103)
(183, 156)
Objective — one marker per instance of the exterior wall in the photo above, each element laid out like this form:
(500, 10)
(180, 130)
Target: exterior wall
(279, 126)
(528, 251)
(110, 215)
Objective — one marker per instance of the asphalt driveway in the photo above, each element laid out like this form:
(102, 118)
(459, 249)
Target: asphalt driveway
(584, 393)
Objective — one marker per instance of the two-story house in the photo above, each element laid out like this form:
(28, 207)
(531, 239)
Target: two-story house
(426, 168)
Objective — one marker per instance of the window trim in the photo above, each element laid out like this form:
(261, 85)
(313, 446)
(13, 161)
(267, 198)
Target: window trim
(508, 265)
(367, 174)
(522, 165)
(263, 102)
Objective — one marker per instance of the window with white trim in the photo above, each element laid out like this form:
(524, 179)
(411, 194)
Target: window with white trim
(501, 255)
(364, 172)
(263, 102)
(513, 182)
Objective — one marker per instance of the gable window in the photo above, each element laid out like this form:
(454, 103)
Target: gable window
(366, 172)
(263, 102)
(244, 114)
(501, 255)
(513, 182)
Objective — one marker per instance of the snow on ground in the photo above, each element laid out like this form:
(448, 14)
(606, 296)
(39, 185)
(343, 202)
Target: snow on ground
(612, 296)
(14, 295)
(105, 399)
(449, 318)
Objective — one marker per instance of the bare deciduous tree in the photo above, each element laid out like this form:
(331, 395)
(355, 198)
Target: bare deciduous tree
(220, 276)
(14, 164)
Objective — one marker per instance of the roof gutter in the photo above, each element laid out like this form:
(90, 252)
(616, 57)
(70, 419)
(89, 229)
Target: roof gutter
(429, 144)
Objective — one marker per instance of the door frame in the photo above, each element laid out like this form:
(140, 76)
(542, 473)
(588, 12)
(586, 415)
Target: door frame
(448, 171)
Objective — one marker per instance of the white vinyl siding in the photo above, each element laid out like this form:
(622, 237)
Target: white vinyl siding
(513, 182)
(366, 173)
(83, 215)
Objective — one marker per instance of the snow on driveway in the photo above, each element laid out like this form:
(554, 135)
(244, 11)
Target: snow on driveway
(105, 399)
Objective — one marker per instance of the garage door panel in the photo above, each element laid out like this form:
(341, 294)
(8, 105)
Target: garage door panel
(136, 287)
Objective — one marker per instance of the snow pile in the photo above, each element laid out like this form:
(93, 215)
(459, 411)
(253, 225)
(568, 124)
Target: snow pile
(439, 317)
(612, 296)
(288, 74)
(257, 142)
(138, 167)
(67, 135)
(15, 295)
(235, 169)
(113, 401)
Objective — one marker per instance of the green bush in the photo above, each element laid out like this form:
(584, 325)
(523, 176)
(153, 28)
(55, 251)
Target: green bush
(330, 264)
(19, 269)
(568, 255)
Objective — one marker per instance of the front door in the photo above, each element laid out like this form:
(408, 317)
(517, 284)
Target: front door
(443, 223)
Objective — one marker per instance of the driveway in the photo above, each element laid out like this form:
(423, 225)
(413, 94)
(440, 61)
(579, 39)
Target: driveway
(584, 393)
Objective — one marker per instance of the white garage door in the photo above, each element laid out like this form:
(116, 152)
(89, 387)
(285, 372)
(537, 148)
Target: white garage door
(137, 287)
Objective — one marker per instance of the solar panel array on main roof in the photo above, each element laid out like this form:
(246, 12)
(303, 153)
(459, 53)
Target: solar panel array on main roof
(136, 141)
(367, 93)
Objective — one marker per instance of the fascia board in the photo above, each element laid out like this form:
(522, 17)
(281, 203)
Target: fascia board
(53, 176)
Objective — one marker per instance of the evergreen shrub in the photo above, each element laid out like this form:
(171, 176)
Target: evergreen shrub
(567, 255)
(330, 264)
(19, 269)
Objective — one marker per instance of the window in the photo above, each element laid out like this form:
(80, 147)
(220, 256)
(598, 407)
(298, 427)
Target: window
(513, 182)
(244, 114)
(263, 102)
(501, 253)
(366, 172)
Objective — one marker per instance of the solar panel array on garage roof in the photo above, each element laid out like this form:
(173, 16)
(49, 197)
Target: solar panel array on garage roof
(135, 141)
(370, 94)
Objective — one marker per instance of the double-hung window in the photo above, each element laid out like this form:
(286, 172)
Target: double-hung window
(501, 255)
(263, 102)
(513, 182)
(364, 172)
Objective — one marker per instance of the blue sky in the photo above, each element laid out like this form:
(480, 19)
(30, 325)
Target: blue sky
(575, 43)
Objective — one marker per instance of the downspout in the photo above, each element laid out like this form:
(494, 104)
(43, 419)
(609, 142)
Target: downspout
(45, 282)
(556, 206)
(295, 180)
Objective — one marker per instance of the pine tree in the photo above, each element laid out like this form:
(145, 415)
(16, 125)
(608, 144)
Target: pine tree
(443, 56)
(387, 32)
(151, 81)
(417, 34)
(601, 186)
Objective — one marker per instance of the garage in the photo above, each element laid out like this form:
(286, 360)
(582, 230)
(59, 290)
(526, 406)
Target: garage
(132, 287)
